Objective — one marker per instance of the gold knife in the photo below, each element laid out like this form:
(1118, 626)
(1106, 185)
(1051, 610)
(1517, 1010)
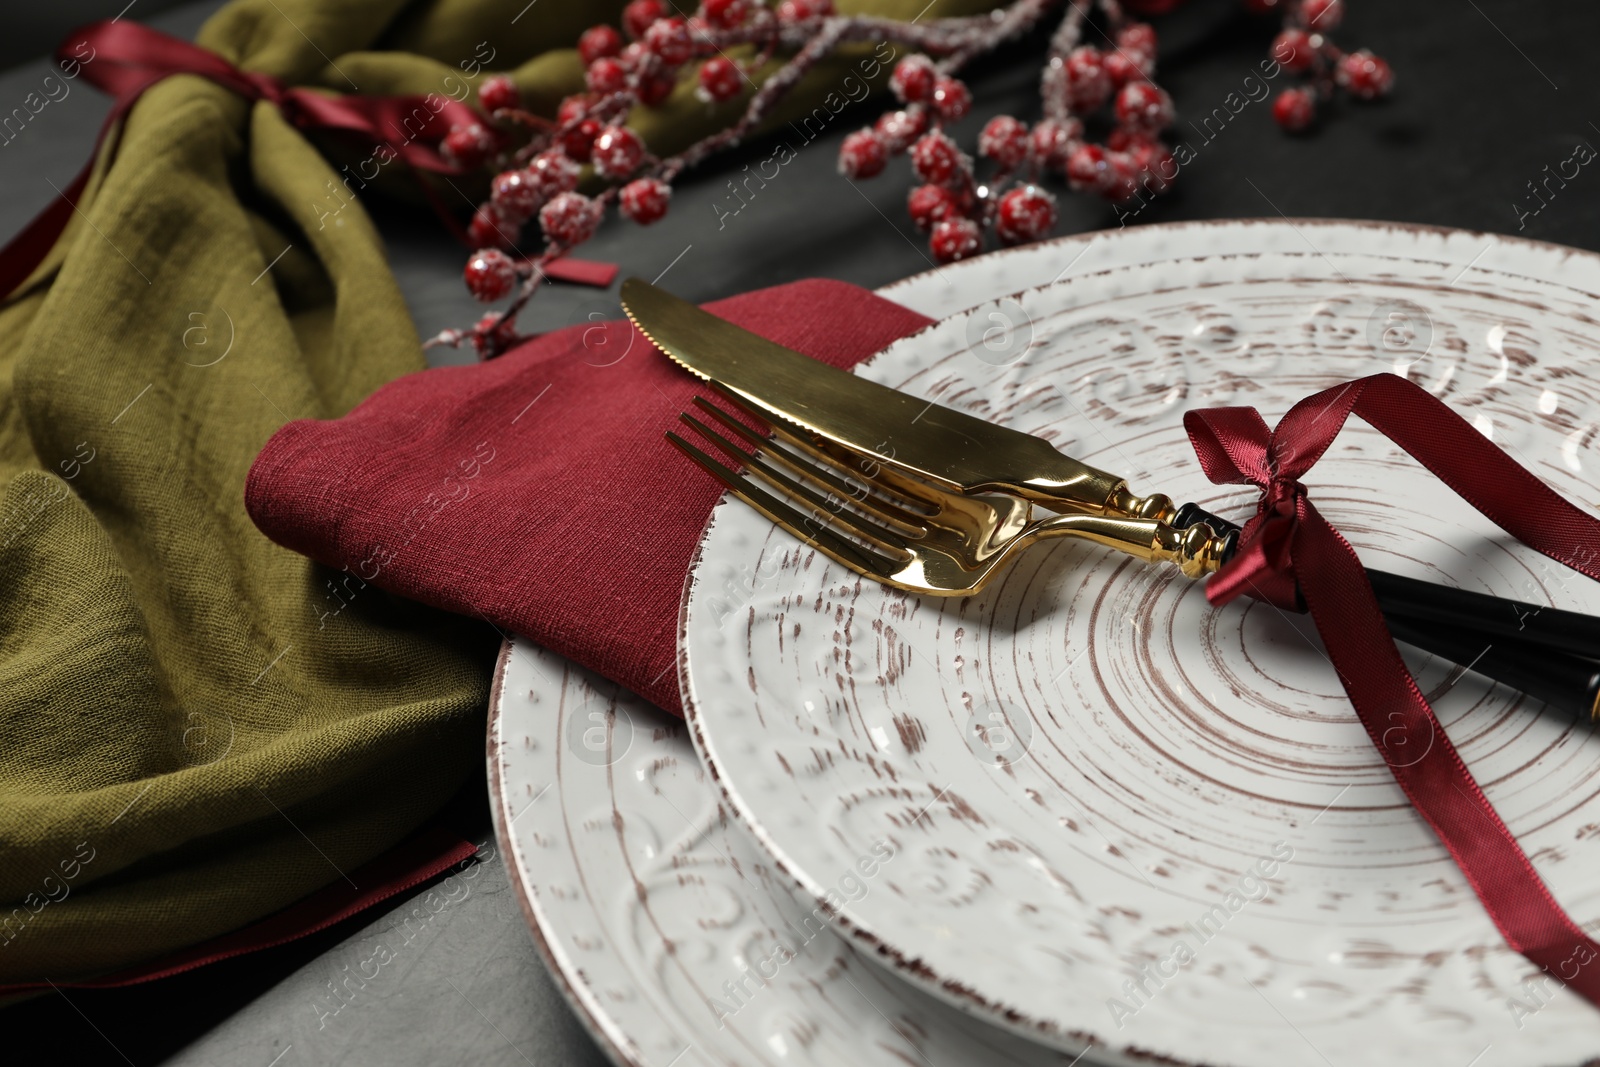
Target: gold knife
(933, 442)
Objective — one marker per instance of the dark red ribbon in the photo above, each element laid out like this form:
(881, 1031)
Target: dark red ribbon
(124, 59)
(1288, 545)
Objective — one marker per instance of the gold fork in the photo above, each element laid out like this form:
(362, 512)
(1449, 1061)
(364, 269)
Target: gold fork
(901, 531)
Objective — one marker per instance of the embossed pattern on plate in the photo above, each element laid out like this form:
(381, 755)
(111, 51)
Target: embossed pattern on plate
(1127, 820)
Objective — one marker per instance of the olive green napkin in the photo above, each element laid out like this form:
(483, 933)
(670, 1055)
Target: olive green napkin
(198, 727)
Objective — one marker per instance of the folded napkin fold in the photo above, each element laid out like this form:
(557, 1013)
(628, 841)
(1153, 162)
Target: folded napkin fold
(537, 491)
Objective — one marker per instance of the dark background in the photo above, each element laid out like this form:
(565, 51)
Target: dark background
(1488, 93)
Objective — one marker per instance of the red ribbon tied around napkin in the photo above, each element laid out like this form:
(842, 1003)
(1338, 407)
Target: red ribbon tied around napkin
(1288, 545)
(124, 59)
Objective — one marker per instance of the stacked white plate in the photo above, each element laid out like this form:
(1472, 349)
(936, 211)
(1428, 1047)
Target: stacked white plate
(1084, 816)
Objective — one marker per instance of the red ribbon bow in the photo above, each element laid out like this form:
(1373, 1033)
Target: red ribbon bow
(1289, 546)
(124, 59)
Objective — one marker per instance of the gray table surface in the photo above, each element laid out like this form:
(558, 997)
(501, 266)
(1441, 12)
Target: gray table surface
(1489, 93)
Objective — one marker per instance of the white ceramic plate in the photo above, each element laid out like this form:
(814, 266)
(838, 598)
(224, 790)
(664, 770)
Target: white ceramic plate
(598, 795)
(1122, 820)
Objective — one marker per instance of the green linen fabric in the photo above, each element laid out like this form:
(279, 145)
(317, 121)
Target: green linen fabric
(197, 727)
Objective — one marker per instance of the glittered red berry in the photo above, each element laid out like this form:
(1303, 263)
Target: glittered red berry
(1084, 80)
(644, 200)
(951, 99)
(1053, 140)
(515, 195)
(1294, 109)
(913, 79)
(1137, 38)
(1026, 213)
(497, 93)
(1144, 107)
(792, 11)
(489, 274)
(1123, 176)
(570, 219)
(1004, 140)
(669, 39)
(617, 152)
(1088, 169)
(467, 147)
(954, 239)
(489, 230)
(1154, 162)
(724, 14)
(1322, 16)
(1365, 75)
(930, 204)
(606, 76)
(936, 159)
(578, 142)
(719, 79)
(493, 334)
(639, 15)
(655, 88)
(897, 129)
(1294, 51)
(1122, 68)
(552, 173)
(597, 42)
(862, 155)
(574, 107)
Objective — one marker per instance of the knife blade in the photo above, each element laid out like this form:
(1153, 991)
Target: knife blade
(926, 439)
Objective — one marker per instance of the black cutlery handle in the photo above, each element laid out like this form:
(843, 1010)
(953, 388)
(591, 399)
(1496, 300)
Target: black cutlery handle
(1563, 681)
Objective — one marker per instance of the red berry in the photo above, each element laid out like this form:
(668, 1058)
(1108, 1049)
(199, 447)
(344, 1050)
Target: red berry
(862, 155)
(644, 200)
(1123, 176)
(467, 147)
(606, 76)
(1053, 140)
(552, 173)
(1154, 162)
(617, 152)
(936, 159)
(497, 93)
(1294, 109)
(638, 16)
(724, 14)
(578, 142)
(655, 88)
(720, 79)
(1122, 68)
(489, 230)
(515, 195)
(574, 107)
(1322, 16)
(669, 38)
(1137, 39)
(1088, 169)
(913, 79)
(570, 219)
(792, 11)
(598, 42)
(1144, 107)
(897, 129)
(929, 204)
(1026, 213)
(1085, 83)
(493, 334)
(951, 99)
(1004, 140)
(1294, 51)
(1365, 75)
(489, 274)
(954, 239)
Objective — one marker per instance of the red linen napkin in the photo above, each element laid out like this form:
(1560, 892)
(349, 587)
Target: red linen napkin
(536, 491)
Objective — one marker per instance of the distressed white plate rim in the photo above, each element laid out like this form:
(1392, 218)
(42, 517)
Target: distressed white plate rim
(1462, 1004)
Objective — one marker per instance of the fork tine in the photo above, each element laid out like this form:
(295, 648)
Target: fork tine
(882, 475)
(756, 466)
(823, 473)
(806, 527)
